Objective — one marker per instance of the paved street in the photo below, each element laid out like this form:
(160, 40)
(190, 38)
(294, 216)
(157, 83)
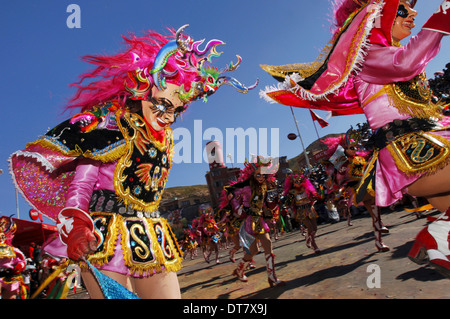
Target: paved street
(341, 271)
(348, 259)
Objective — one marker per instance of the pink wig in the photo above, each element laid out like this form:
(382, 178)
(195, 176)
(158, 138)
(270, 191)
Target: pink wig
(111, 73)
(306, 184)
(249, 170)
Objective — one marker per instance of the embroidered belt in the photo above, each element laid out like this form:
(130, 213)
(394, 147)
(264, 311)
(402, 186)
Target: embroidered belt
(103, 200)
(148, 244)
(412, 145)
(389, 132)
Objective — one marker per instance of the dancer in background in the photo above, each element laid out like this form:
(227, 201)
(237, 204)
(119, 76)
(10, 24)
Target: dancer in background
(250, 195)
(301, 196)
(346, 165)
(367, 70)
(209, 232)
(12, 263)
(102, 173)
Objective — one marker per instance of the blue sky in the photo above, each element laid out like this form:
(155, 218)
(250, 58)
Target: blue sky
(40, 58)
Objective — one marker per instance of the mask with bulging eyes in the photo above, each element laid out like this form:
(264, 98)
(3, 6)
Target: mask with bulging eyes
(402, 12)
(162, 106)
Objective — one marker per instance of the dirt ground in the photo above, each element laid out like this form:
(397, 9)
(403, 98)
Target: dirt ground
(349, 267)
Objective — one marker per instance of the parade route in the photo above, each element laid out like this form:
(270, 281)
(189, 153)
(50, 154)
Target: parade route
(349, 267)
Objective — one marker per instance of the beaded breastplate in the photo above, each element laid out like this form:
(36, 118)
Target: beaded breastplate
(257, 198)
(413, 97)
(141, 174)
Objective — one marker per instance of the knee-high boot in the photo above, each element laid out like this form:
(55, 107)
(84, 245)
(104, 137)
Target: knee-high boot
(239, 272)
(271, 276)
(378, 229)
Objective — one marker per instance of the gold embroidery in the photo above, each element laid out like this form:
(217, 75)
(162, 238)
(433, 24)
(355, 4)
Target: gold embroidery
(138, 138)
(7, 252)
(413, 98)
(142, 251)
(106, 230)
(417, 152)
(142, 247)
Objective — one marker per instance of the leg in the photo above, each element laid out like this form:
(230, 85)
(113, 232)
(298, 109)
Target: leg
(216, 249)
(236, 246)
(266, 243)
(433, 241)
(377, 226)
(159, 286)
(93, 288)
(435, 188)
(245, 262)
(311, 226)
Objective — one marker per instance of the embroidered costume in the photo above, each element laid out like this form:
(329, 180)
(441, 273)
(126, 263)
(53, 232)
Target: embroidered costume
(12, 263)
(249, 198)
(389, 86)
(103, 172)
(301, 196)
(364, 70)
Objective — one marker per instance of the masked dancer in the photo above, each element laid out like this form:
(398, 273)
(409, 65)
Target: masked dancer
(250, 192)
(101, 174)
(301, 196)
(12, 263)
(366, 69)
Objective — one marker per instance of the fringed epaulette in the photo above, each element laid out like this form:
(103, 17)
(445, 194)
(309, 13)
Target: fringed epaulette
(92, 134)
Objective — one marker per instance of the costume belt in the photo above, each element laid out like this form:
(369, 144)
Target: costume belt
(412, 145)
(103, 200)
(391, 131)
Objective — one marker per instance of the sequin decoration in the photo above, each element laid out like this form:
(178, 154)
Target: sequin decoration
(45, 191)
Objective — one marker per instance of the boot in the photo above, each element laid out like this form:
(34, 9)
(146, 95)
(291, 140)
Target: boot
(378, 230)
(271, 277)
(311, 241)
(239, 271)
(433, 242)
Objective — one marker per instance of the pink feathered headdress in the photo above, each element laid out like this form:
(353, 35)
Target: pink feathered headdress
(112, 72)
(250, 169)
(305, 183)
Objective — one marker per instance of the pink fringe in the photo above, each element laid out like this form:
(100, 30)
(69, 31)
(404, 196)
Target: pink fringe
(309, 187)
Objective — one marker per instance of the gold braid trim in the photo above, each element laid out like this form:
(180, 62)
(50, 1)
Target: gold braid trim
(435, 158)
(140, 139)
(304, 69)
(117, 224)
(109, 156)
(307, 69)
(102, 257)
(160, 262)
(407, 106)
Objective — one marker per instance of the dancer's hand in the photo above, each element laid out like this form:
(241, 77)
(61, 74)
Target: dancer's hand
(440, 20)
(76, 231)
